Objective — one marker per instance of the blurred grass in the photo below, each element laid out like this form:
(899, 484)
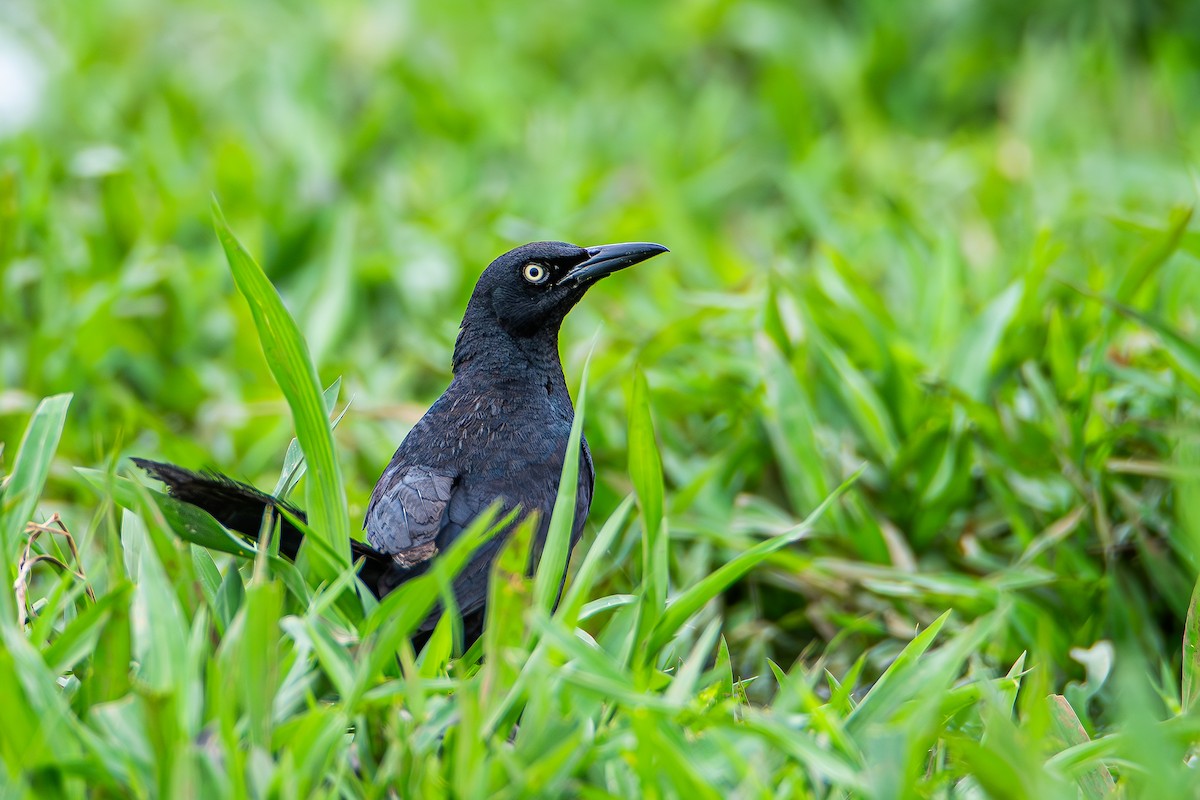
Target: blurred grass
(952, 242)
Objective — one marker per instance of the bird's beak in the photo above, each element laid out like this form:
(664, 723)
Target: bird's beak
(603, 260)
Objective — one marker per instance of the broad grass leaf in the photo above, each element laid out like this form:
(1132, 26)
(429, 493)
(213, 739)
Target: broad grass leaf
(1153, 255)
(683, 685)
(664, 760)
(1182, 351)
(287, 356)
(317, 741)
(602, 604)
(822, 763)
(441, 646)
(259, 656)
(334, 659)
(399, 604)
(159, 627)
(386, 629)
(510, 599)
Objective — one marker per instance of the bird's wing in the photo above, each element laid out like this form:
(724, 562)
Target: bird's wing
(587, 485)
(407, 511)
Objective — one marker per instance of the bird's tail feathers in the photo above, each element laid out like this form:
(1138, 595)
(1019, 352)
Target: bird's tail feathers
(236, 505)
(240, 507)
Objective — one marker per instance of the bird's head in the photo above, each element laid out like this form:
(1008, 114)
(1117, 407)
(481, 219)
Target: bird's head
(529, 290)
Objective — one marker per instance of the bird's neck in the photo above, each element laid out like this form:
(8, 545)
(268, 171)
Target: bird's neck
(493, 354)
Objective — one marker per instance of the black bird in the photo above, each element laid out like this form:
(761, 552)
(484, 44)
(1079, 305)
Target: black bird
(499, 431)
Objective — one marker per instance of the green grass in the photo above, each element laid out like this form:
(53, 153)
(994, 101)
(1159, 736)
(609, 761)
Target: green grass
(898, 452)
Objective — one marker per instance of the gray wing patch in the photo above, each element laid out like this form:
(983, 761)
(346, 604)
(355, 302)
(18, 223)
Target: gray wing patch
(407, 510)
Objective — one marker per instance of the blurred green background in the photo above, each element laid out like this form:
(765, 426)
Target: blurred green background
(950, 240)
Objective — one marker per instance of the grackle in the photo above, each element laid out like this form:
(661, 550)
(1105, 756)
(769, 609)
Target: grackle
(499, 431)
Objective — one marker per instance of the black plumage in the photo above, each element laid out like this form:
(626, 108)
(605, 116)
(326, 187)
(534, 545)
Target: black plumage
(499, 431)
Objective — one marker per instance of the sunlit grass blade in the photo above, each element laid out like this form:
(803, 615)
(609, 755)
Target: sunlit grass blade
(207, 573)
(401, 612)
(1148, 261)
(333, 657)
(259, 657)
(547, 583)
(823, 763)
(895, 718)
(645, 470)
(607, 603)
(113, 651)
(287, 355)
(160, 626)
(230, 594)
(39, 729)
(399, 605)
(666, 763)
(509, 593)
(895, 685)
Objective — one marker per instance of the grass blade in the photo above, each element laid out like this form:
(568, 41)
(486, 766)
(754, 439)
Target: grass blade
(1191, 652)
(159, 626)
(78, 639)
(287, 355)
(791, 426)
(645, 469)
(894, 686)
(294, 465)
(1097, 782)
(585, 578)
(548, 582)
(862, 402)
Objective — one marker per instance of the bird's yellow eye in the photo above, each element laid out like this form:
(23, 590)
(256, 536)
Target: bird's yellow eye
(535, 273)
